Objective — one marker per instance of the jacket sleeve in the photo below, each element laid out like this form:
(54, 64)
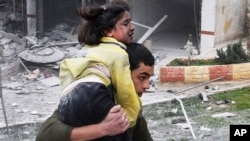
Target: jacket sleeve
(54, 130)
(125, 93)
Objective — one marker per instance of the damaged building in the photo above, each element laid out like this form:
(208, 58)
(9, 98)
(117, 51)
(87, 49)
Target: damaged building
(211, 22)
(167, 24)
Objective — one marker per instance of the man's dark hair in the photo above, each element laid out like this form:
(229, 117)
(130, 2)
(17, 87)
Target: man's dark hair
(138, 53)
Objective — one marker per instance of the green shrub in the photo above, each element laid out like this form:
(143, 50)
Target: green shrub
(233, 55)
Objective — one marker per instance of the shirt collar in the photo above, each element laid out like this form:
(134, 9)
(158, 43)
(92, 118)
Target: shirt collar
(113, 40)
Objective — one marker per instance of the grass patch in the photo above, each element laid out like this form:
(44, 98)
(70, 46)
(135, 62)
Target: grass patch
(184, 62)
(210, 122)
(160, 117)
(196, 109)
(240, 96)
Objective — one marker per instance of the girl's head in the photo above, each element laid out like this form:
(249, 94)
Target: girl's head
(111, 20)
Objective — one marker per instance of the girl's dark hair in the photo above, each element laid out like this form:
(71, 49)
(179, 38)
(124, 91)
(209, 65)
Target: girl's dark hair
(99, 19)
(137, 54)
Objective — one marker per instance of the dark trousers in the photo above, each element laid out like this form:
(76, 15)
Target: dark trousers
(88, 103)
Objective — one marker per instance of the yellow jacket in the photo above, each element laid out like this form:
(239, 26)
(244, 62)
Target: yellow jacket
(111, 54)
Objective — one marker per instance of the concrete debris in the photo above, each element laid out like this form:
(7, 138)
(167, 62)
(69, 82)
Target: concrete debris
(23, 91)
(23, 65)
(24, 110)
(209, 108)
(174, 110)
(226, 114)
(37, 50)
(32, 40)
(233, 102)
(33, 75)
(176, 120)
(203, 94)
(52, 81)
(215, 88)
(46, 55)
(47, 73)
(34, 112)
(13, 37)
(9, 68)
(5, 41)
(182, 125)
(13, 85)
(157, 57)
(205, 129)
(9, 46)
(14, 104)
(26, 133)
(225, 101)
(65, 35)
(70, 52)
(18, 110)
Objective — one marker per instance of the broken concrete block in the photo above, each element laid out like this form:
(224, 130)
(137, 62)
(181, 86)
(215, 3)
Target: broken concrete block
(10, 68)
(52, 81)
(226, 114)
(176, 120)
(204, 96)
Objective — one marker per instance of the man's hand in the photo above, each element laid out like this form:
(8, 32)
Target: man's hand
(116, 121)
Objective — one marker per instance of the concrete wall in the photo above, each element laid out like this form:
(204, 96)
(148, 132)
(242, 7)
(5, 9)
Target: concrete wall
(221, 20)
(207, 25)
(190, 74)
(230, 20)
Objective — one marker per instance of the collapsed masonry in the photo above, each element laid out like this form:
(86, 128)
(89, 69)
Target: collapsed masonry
(49, 49)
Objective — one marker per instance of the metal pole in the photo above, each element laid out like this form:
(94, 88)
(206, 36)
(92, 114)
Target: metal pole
(151, 30)
(31, 17)
(200, 84)
(4, 112)
(182, 106)
(186, 117)
(166, 99)
(14, 6)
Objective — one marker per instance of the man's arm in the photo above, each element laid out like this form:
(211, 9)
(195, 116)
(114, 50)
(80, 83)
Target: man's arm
(113, 124)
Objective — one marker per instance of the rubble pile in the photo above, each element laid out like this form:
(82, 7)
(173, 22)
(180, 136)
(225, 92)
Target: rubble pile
(50, 48)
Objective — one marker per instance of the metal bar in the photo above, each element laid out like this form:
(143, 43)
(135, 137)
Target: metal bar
(3, 107)
(23, 65)
(200, 84)
(53, 45)
(182, 106)
(167, 99)
(14, 6)
(151, 30)
(185, 115)
(148, 27)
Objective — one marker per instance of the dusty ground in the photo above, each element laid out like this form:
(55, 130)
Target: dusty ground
(29, 102)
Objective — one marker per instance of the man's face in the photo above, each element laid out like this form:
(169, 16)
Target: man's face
(140, 77)
(124, 30)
